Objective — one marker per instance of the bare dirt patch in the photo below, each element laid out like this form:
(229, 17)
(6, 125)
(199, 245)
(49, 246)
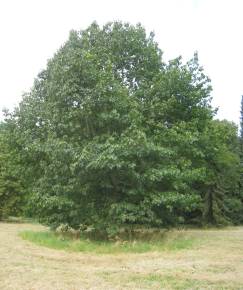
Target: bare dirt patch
(216, 264)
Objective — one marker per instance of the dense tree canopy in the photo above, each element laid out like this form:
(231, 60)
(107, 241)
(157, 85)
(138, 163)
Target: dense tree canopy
(111, 135)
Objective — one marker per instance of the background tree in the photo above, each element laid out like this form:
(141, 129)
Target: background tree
(241, 145)
(11, 188)
(222, 201)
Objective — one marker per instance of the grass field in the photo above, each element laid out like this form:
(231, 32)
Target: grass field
(165, 241)
(191, 259)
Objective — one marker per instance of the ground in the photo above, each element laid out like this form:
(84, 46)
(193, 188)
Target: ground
(217, 263)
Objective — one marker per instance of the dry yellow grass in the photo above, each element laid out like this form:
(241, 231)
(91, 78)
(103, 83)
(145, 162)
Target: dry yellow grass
(217, 263)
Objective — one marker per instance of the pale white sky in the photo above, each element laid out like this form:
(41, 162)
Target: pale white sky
(32, 30)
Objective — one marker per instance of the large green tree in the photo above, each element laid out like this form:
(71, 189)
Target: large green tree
(112, 135)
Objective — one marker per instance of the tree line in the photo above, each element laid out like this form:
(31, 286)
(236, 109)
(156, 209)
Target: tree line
(112, 135)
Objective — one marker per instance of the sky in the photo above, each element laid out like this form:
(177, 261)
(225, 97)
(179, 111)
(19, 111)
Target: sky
(32, 30)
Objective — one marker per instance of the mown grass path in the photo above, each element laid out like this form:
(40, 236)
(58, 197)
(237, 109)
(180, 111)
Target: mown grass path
(217, 263)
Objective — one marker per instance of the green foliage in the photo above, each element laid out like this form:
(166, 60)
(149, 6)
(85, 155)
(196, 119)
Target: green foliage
(223, 173)
(111, 135)
(241, 157)
(11, 189)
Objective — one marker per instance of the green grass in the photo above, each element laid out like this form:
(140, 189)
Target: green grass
(163, 281)
(171, 242)
(175, 280)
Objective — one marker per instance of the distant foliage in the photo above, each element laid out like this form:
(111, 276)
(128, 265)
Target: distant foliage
(111, 135)
(11, 188)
